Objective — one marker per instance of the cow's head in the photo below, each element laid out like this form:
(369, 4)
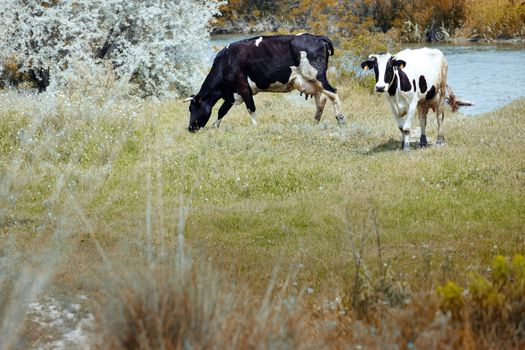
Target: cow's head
(383, 65)
(200, 112)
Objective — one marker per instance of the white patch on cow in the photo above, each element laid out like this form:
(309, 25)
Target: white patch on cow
(410, 113)
(253, 86)
(299, 34)
(238, 98)
(254, 118)
(280, 87)
(258, 41)
(228, 46)
(306, 69)
(382, 61)
(406, 141)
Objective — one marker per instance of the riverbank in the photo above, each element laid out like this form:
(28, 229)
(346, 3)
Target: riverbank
(466, 40)
(415, 21)
(248, 31)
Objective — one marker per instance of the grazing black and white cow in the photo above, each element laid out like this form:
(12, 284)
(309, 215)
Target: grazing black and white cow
(413, 79)
(279, 63)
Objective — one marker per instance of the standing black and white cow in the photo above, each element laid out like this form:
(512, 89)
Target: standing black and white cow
(413, 79)
(279, 63)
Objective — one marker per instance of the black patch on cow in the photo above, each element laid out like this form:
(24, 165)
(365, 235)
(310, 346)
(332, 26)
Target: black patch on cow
(422, 84)
(414, 83)
(405, 82)
(389, 72)
(399, 63)
(393, 87)
(431, 93)
(423, 141)
(371, 63)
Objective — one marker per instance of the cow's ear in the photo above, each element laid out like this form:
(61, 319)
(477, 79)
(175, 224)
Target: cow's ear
(399, 63)
(368, 64)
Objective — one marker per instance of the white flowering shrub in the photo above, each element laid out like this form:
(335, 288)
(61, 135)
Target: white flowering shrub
(156, 44)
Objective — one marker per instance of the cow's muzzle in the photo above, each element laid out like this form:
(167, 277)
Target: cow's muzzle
(380, 89)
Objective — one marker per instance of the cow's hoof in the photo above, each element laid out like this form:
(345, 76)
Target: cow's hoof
(423, 141)
(340, 119)
(216, 124)
(440, 142)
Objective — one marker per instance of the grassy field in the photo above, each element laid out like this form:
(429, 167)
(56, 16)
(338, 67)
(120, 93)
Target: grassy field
(108, 181)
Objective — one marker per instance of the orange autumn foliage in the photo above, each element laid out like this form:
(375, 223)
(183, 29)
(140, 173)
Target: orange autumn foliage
(484, 18)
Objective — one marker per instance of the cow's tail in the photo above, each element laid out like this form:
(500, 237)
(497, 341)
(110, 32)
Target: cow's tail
(329, 45)
(454, 102)
(451, 99)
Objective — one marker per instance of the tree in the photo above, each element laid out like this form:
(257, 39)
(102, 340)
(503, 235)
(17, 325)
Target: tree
(156, 44)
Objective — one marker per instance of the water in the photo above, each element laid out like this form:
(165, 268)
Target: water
(488, 75)
(491, 76)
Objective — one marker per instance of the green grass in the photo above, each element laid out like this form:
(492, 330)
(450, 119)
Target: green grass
(281, 194)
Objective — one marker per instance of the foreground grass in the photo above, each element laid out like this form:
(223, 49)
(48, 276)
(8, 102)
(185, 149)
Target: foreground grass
(115, 178)
(283, 193)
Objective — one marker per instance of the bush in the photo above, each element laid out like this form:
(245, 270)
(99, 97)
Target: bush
(452, 299)
(495, 18)
(354, 50)
(157, 45)
(499, 301)
(494, 308)
(183, 305)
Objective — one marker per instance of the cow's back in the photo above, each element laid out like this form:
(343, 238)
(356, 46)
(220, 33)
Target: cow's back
(267, 60)
(429, 63)
(263, 59)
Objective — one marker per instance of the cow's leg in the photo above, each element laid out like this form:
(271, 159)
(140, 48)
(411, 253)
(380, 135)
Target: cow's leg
(325, 83)
(320, 101)
(337, 106)
(423, 111)
(331, 93)
(247, 95)
(408, 123)
(400, 122)
(440, 115)
(222, 112)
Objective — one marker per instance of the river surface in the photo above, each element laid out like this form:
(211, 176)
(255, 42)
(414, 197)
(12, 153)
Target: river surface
(489, 75)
